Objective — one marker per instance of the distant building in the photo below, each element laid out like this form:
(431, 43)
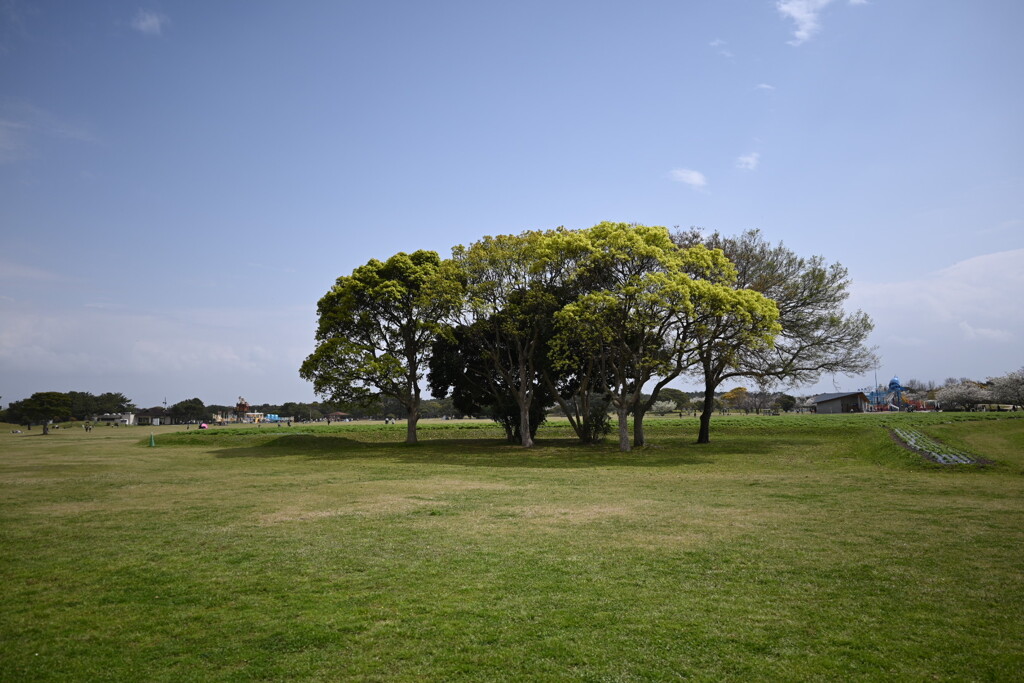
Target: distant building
(115, 418)
(827, 404)
(153, 417)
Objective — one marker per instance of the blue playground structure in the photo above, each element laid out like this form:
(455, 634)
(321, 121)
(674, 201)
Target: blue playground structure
(891, 398)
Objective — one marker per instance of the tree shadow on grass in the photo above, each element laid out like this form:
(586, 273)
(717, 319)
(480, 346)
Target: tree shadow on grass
(548, 453)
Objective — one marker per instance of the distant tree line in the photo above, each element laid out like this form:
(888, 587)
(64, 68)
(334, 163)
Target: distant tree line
(584, 320)
(45, 407)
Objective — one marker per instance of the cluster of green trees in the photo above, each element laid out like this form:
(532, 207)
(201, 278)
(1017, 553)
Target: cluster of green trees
(44, 407)
(583, 319)
(748, 401)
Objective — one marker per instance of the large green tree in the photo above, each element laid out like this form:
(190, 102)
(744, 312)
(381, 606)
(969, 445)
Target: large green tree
(512, 284)
(189, 410)
(114, 402)
(816, 335)
(83, 405)
(639, 315)
(42, 407)
(376, 327)
(714, 297)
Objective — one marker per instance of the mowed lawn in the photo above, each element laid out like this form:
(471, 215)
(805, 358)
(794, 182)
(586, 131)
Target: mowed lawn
(790, 548)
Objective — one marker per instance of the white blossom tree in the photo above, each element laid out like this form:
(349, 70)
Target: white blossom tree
(962, 395)
(1009, 388)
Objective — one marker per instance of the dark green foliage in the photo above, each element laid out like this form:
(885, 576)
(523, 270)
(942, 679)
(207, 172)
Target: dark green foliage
(189, 410)
(460, 368)
(786, 402)
(41, 408)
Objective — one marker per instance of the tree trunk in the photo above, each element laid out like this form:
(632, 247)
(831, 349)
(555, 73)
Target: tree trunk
(524, 423)
(524, 397)
(638, 426)
(410, 425)
(623, 413)
(704, 435)
(412, 400)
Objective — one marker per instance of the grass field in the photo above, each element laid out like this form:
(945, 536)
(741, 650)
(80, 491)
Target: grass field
(791, 548)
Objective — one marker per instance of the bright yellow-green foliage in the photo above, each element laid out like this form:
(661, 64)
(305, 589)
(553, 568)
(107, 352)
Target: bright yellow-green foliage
(376, 327)
(649, 308)
(736, 397)
(620, 300)
(496, 268)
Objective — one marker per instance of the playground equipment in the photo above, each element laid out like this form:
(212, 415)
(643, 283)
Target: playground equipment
(891, 398)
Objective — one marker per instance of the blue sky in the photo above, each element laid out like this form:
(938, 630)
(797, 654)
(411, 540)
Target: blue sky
(180, 182)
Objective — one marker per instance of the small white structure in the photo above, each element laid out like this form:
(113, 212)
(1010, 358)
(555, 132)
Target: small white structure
(116, 418)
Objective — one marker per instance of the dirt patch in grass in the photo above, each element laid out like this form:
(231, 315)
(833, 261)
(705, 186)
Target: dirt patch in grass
(402, 497)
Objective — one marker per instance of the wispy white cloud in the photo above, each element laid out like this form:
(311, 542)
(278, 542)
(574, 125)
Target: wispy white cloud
(719, 46)
(806, 14)
(149, 22)
(764, 86)
(694, 179)
(748, 162)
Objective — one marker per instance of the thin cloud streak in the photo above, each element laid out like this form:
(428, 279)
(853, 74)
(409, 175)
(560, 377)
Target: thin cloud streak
(694, 179)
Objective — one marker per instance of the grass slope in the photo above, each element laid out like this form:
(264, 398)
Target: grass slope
(791, 547)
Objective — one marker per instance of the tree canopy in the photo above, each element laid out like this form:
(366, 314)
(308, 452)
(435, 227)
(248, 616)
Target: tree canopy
(1009, 388)
(585, 319)
(514, 285)
(376, 327)
(962, 395)
(814, 335)
(189, 410)
(42, 408)
(641, 313)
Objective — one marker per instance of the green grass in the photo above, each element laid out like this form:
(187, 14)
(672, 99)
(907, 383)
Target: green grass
(792, 547)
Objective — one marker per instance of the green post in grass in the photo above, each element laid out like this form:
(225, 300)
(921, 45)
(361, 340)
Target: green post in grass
(152, 441)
